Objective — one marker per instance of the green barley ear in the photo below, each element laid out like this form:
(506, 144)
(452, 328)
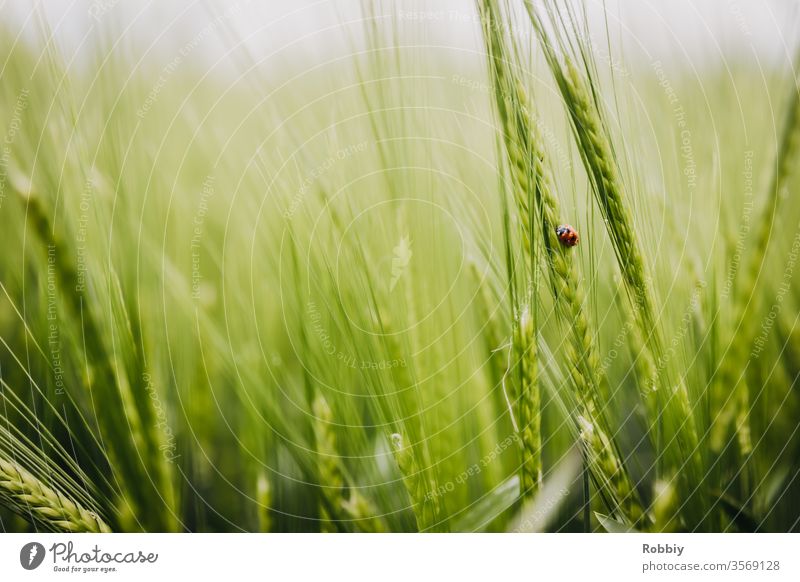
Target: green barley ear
(30, 496)
(414, 460)
(747, 300)
(336, 509)
(537, 204)
(602, 169)
(601, 166)
(422, 492)
(329, 472)
(600, 453)
(108, 384)
(528, 403)
(579, 93)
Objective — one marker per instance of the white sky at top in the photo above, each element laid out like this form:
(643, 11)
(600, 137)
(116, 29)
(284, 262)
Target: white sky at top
(676, 31)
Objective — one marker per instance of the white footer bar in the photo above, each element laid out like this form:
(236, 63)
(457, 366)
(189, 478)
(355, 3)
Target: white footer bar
(401, 557)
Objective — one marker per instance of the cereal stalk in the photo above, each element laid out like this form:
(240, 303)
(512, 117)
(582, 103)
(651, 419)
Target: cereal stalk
(28, 495)
(535, 198)
(328, 471)
(614, 479)
(599, 160)
(747, 301)
(528, 407)
(420, 489)
(336, 509)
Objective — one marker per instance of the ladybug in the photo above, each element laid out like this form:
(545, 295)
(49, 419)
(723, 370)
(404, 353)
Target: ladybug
(567, 235)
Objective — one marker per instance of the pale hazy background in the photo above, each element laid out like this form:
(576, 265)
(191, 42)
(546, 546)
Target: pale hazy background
(695, 32)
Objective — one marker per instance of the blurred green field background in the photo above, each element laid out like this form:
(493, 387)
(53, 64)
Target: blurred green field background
(281, 300)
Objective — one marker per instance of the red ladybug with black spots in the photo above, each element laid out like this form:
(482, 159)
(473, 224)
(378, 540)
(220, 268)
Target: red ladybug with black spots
(567, 235)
